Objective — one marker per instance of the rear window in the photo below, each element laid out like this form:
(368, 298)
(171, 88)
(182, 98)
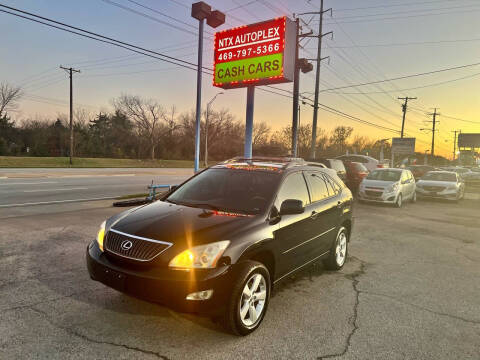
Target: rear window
(337, 165)
(385, 175)
(359, 167)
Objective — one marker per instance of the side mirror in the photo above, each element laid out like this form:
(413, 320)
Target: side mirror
(291, 206)
(173, 187)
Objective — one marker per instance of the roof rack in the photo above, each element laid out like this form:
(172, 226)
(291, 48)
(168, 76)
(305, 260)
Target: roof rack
(287, 161)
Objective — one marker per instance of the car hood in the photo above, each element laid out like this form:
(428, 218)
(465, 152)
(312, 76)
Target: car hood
(435, 183)
(377, 183)
(181, 225)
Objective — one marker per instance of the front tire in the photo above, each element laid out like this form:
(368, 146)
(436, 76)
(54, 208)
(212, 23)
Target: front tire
(399, 201)
(338, 253)
(249, 300)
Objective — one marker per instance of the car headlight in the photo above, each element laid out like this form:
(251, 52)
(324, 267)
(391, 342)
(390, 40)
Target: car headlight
(392, 187)
(101, 235)
(200, 257)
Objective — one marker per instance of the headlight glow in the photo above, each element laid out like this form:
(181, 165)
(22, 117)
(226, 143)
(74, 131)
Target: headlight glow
(200, 257)
(101, 235)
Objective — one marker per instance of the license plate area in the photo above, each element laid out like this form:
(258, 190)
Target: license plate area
(115, 279)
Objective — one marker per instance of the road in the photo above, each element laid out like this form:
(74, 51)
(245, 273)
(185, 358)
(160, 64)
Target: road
(21, 187)
(409, 290)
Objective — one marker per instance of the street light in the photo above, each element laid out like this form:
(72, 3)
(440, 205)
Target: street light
(206, 127)
(202, 11)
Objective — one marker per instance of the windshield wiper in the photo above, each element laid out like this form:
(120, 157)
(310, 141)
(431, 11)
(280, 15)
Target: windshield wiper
(201, 205)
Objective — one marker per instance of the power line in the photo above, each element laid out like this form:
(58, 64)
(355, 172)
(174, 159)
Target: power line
(404, 77)
(411, 88)
(98, 37)
(456, 118)
(408, 16)
(406, 43)
(133, 11)
(394, 5)
(405, 12)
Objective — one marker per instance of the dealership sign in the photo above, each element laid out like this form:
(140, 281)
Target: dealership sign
(256, 54)
(405, 146)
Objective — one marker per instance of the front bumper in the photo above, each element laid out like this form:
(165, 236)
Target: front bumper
(445, 194)
(385, 198)
(163, 285)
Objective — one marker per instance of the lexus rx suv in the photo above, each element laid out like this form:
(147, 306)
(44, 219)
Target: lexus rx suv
(217, 243)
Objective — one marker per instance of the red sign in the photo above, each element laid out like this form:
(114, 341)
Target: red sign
(249, 41)
(261, 53)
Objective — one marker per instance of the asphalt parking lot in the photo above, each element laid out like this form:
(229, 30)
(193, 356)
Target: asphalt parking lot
(410, 290)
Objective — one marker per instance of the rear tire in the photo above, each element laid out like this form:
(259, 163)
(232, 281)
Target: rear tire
(399, 201)
(414, 197)
(249, 300)
(339, 251)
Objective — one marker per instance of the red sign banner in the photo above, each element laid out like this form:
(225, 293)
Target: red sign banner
(261, 53)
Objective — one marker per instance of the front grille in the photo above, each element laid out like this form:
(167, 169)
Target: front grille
(373, 193)
(434, 188)
(134, 247)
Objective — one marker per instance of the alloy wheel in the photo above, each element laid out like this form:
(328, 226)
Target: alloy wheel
(341, 249)
(252, 300)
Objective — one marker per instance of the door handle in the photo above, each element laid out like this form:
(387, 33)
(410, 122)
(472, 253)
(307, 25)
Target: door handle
(314, 214)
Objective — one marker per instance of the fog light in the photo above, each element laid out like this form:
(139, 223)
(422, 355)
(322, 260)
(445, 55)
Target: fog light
(201, 295)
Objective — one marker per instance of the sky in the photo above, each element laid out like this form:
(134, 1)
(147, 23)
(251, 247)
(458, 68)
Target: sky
(372, 40)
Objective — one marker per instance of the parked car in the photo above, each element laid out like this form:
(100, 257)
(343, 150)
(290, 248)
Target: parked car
(472, 179)
(336, 165)
(459, 170)
(356, 172)
(217, 243)
(369, 162)
(419, 170)
(441, 184)
(391, 186)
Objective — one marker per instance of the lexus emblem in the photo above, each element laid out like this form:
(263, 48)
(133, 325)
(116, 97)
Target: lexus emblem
(126, 245)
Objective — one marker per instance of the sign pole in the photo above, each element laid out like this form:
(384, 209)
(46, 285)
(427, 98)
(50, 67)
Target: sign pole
(296, 85)
(249, 121)
(199, 95)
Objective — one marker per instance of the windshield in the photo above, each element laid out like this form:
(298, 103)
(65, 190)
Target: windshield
(432, 176)
(230, 190)
(384, 175)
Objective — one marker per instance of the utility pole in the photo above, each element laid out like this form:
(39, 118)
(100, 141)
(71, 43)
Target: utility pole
(404, 109)
(434, 123)
(317, 78)
(304, 66)
(70, 72)
(455, 143)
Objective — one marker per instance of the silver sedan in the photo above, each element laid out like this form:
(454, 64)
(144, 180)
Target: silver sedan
(441, 184)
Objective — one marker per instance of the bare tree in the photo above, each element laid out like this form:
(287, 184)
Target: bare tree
(9, 97)
(146, 114)
(261, 132)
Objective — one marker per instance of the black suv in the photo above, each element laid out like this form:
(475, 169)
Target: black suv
(218, 242)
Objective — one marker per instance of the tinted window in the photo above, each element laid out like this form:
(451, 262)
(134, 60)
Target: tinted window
(385, 175)
(294, 187)
(317, 186)
(332, 186)
(230, 190)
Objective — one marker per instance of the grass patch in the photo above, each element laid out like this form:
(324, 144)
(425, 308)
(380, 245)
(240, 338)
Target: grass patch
(132, 196)
(63, 162)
